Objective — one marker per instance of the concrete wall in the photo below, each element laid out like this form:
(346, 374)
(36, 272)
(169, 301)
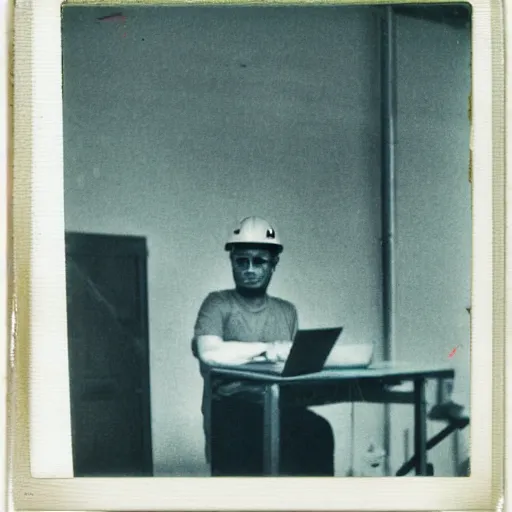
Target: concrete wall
(178, 125)
(433, 210)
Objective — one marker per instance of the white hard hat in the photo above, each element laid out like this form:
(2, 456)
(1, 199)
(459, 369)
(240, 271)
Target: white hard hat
(254, 231)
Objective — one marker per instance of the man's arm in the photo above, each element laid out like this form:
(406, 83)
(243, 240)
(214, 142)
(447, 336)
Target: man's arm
(210, 347)
(214, 350)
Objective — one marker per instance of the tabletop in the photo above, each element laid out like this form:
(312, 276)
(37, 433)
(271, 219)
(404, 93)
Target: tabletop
(377, 371)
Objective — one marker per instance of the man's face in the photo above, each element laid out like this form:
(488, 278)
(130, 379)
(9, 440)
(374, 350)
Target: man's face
(252, 268)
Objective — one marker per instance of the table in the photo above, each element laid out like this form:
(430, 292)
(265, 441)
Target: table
(334, 385)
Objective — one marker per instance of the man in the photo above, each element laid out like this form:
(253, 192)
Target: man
(234, 326)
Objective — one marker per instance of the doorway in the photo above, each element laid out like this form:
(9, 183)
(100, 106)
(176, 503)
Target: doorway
(108, 343)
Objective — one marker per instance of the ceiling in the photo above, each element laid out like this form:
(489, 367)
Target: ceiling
(456, 15)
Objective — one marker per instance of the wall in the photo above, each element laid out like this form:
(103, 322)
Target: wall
(176, 127)
(433, 211)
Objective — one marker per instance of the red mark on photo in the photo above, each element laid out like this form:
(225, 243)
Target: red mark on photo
(452, 353)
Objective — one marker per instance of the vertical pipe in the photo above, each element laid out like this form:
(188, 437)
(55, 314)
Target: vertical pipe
(388, 213)
(388, 134)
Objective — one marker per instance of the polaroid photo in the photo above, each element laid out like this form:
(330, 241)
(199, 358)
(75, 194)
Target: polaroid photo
(257, 241)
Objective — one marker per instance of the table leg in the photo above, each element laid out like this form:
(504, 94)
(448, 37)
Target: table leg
(420, 427)
(207, 420)
(271, 430)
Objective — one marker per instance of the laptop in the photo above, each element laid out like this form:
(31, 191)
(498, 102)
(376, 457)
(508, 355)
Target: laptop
(309, 352)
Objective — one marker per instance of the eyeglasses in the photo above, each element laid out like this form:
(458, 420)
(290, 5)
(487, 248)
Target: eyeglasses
(243, 262)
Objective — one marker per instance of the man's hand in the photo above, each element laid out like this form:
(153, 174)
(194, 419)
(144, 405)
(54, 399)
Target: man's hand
(278, 351)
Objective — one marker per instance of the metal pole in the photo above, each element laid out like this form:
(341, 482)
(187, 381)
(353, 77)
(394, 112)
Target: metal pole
(388, 143)
(388, 117)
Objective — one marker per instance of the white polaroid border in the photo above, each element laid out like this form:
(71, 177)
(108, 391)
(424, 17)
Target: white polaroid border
(5, 15)
(507, 494)
(40, 386)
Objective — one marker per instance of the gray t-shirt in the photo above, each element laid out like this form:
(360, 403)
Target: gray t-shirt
(228, 315)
